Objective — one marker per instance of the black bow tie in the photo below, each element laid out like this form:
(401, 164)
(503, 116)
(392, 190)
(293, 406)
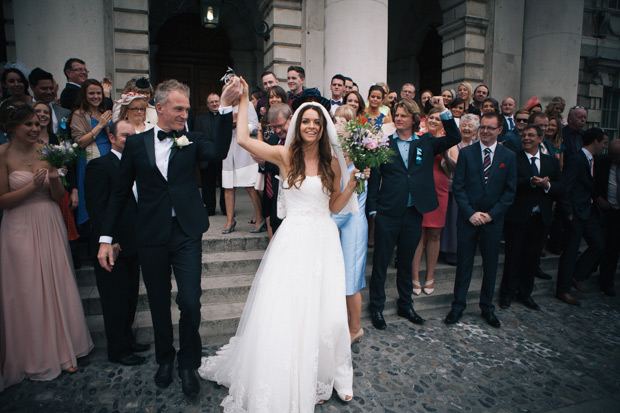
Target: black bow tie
(161, 135)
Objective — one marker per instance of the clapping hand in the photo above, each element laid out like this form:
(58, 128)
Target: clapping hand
(107, 86)
(39, 177)
(106, 117)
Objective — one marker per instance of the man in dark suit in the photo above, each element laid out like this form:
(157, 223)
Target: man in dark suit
(583, 214)
(210, 172)
(76, 73)
(508, 107)
(572, 134)
(43, 90)
(279, 118)
(400, 192)
(607, 187)
(484, 187)
(170, 221)
(539, 183)
(118, 290)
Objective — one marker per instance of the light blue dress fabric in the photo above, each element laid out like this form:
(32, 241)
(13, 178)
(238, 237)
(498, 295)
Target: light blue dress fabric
(354, 240)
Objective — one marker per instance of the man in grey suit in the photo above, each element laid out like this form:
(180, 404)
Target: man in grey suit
(42, 86)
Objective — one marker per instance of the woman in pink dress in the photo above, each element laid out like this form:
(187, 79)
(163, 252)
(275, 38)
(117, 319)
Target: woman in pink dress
(432, 222)
(42, 326)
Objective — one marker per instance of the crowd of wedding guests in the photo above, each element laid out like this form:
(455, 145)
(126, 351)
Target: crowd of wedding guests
(467, 172)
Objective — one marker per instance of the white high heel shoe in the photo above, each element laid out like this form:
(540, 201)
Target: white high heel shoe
(417, 287)
(344, 397)
(429, 291)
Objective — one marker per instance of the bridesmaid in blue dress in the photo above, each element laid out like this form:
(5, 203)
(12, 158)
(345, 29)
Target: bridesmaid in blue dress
(354, 240)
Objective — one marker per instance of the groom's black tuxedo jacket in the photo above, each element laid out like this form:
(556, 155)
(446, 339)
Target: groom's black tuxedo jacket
(156, 195)
(389, 185)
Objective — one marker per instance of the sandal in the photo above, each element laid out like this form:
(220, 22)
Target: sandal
(71, 370)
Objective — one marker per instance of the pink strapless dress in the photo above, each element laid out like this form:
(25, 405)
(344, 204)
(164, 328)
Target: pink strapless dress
(42, 325)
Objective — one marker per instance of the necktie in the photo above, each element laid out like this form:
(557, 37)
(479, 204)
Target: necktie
(486, 164)
(336, 102)
(535, 171)
(161, 135)
(511, 123)
(268, 183)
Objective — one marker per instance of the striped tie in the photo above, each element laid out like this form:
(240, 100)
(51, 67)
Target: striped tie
(486, 165)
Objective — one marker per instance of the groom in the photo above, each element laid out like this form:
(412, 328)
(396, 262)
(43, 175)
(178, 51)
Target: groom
(170, 221)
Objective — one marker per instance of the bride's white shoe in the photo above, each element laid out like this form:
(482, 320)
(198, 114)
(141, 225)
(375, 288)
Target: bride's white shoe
(344, 397)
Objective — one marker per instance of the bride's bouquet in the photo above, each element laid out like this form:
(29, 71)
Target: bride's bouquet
(62, 155)
(366, 146)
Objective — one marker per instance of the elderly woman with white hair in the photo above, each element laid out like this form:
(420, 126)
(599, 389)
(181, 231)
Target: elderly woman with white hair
(469, 125)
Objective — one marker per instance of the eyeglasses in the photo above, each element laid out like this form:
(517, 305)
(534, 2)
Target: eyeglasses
(489, 128)
(79, 70)
(521, 120)
(137, 109)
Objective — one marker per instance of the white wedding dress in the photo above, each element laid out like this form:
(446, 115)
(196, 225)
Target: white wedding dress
(292, 345)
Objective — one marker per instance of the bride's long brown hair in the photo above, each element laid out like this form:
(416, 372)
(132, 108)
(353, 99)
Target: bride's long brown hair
(297, 172)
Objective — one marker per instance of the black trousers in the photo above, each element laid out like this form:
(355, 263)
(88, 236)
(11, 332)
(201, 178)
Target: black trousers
(468, 237)
(404, 232)
(118, 291)
(524, 242)
(209, 177)
(183, 254)
(570, 267)
(610, 223)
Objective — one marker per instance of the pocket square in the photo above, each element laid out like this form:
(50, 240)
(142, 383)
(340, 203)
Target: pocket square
(501, 165)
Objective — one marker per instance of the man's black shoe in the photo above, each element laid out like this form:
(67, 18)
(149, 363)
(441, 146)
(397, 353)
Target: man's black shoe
(491, 319)
(411, 315)
(504, 301)
(378, 321)
(453, 317)
(139, 347)
(163, 377)
(189, 382)
(528, 302)
(130, 360)
(610, 292)
(542, 275)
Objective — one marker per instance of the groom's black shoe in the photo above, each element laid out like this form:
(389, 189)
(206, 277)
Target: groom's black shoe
(189, 382)
(411, 315)
(378, 321)
(163, 377)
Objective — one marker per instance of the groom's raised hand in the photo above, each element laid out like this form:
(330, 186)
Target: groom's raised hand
(106, 256)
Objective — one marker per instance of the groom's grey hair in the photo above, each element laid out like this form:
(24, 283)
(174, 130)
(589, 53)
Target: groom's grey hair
(167, 86)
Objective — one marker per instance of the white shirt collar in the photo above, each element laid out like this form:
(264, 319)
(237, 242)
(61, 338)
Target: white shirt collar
(492, 147)
(118, 154)
(529, 157)
(588, 154)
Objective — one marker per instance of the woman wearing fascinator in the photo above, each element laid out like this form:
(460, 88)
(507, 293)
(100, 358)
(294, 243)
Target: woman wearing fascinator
(292, 346)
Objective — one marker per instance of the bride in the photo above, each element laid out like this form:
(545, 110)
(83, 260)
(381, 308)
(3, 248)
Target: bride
(292, 346)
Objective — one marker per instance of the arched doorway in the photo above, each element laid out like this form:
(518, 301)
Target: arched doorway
(182, 49)
(414, 46)
(193, 55)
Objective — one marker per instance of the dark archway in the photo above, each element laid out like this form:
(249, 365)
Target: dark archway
(414, 46)
(192, 54)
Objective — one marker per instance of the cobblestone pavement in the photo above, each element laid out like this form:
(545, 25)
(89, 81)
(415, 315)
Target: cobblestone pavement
(562, 358)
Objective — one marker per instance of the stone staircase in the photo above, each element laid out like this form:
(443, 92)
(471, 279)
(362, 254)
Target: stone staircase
(229, 264)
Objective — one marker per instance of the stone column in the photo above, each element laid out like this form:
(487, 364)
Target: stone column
(551, 50)
(47, 33)
(358, 49)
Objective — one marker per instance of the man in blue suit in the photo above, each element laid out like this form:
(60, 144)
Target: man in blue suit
(484, 187)
(400, 192)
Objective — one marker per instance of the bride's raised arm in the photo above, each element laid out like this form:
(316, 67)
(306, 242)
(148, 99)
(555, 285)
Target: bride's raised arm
(274, 154)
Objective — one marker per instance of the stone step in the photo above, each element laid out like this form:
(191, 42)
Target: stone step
(224, 297)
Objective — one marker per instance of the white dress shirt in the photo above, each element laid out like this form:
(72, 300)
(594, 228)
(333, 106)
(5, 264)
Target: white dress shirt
(492, 147)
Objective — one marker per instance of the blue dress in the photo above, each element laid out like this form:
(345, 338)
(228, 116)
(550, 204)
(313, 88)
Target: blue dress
(354, 240)
(104, 146)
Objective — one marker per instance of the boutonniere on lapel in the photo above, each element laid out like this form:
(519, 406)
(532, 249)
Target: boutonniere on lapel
(181, 142)
(501, 165)
(418, 156)
(63, 123)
